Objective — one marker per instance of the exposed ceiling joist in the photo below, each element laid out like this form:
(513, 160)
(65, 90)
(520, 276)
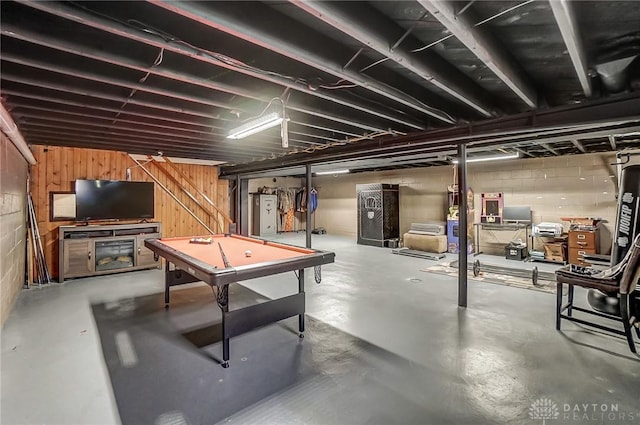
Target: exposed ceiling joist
(32, 111)
(180, 77)
(183, 49)
(64, 88)
(263, 143)
(92, 76)
(485, 47)
(162, 76)
(523, 152)
(179, 110)
(54, 118)
(319, 127)
(563, 123)
(67, 128)
(231, 19)
(434, 144)
(19, 105)
(81, 142)
(564, 15)
(548, 148)
(578, 145)
(86, 106)
(74, 48)
(172, 94)
(348, 121)
(45, 137)
(301, 133)
(368, 28)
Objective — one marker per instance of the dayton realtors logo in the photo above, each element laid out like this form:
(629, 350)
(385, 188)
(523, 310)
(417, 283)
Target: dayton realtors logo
(597, 412)
(547, 410)
(544, 409)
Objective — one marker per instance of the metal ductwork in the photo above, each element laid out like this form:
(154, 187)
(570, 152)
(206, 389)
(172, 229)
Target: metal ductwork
(10, 128)
(614, 73)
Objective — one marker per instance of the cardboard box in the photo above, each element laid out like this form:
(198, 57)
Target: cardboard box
(555, 252)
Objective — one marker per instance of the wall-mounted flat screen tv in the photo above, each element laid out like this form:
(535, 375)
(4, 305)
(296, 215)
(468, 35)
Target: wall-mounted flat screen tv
(113, 200)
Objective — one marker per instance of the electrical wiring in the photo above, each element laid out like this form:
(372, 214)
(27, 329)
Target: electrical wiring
(428, 46)
(345, 86)
(156, 63)
(446, 37)
(374, 64)
(169, 38)
(215, 55)
(422, 104)
(341, 84)
(312, 149)
(274, 99)
(477, 24)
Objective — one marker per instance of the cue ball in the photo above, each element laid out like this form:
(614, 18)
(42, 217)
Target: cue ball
(247, 253)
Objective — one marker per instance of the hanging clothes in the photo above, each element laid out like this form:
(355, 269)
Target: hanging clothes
(284, 201)
(289, 221)
(313, 200)
(301, 200)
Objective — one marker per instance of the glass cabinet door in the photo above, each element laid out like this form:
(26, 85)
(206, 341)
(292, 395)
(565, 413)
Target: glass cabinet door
(114, 254)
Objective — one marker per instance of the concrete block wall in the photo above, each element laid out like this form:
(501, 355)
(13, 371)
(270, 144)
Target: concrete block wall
(554, 187)
(13, 189)
(423, 197)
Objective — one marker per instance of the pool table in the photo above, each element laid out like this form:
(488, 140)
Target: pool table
(222, 259)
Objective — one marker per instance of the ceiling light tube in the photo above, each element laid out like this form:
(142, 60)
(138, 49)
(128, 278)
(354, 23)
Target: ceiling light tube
(284, 133)
(323, 173)
(490, 158)
(255, 126)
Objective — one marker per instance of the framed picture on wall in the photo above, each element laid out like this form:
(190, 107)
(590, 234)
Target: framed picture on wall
(62, 206)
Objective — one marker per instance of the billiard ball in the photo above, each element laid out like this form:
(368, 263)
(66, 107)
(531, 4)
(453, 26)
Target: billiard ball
(247, 253)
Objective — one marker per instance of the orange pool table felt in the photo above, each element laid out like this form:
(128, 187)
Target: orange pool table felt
(205, 260)
(234, 248)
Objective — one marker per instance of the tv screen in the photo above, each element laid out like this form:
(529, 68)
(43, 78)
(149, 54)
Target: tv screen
(113, 200)
(492, 207)
(517, 214)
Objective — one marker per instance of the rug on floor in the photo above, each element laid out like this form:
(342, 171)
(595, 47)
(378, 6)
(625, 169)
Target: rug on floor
(451, 269)
(164, 367)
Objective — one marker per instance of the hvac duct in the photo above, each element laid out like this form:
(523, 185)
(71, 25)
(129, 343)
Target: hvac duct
(614, 73)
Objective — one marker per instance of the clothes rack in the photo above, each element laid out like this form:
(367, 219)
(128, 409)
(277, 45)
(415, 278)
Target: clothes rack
(300, 200)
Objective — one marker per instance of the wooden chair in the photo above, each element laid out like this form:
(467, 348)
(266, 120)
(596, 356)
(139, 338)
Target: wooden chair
(621, 280)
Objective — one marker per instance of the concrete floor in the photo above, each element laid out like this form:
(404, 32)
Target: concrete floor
(484, 364)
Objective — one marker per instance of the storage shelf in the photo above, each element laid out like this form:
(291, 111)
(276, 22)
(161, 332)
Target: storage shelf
(549, 241)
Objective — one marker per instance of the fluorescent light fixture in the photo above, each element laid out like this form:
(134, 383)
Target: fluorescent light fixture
(255, 126)
(323, 173)
(490, 158)
(284, 133)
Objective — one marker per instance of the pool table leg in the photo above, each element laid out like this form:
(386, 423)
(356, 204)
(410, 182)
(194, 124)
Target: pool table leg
(167, 279)
(223, 303)
(301, 290)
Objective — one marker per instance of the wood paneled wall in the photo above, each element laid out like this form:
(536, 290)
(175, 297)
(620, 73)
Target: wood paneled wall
(59, 167)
